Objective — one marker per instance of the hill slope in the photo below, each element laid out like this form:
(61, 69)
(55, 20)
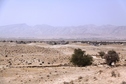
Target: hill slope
(74, 32)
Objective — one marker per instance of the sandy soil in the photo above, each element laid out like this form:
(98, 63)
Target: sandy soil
(40, 63)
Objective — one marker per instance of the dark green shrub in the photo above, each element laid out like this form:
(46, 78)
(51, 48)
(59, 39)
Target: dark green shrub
(111, 57)
(79, 58)
(101, 53)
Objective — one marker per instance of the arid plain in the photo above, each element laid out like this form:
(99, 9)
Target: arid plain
(42, 63)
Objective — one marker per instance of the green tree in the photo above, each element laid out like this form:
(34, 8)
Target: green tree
(79, 58)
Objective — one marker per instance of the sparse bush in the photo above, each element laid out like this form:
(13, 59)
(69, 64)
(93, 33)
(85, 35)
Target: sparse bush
(48, 62)
(111, 57)
(65, 82)
(71, 82)
(80, 77)
(101, 53)
(123, 82)
(79, 58)
(115, 73)
(48, 76)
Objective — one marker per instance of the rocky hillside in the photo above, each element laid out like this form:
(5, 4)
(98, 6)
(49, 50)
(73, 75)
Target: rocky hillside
(73, 32)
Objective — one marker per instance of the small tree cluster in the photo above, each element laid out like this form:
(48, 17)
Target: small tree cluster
(79, 58)
(111, 57)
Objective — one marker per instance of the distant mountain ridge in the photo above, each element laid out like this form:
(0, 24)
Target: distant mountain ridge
(73, 32)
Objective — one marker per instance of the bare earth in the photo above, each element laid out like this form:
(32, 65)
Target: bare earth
(40, 63)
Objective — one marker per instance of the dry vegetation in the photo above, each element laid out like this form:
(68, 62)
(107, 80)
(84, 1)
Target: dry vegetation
(41, 63)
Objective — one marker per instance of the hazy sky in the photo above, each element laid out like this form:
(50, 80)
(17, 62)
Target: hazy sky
(63, 12)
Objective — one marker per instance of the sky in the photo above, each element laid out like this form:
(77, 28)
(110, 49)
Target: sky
(63, 12)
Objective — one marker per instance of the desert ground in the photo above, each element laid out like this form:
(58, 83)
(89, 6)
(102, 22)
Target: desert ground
(41, 63)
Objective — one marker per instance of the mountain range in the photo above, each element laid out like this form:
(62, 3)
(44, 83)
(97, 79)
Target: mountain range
(71, 32)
